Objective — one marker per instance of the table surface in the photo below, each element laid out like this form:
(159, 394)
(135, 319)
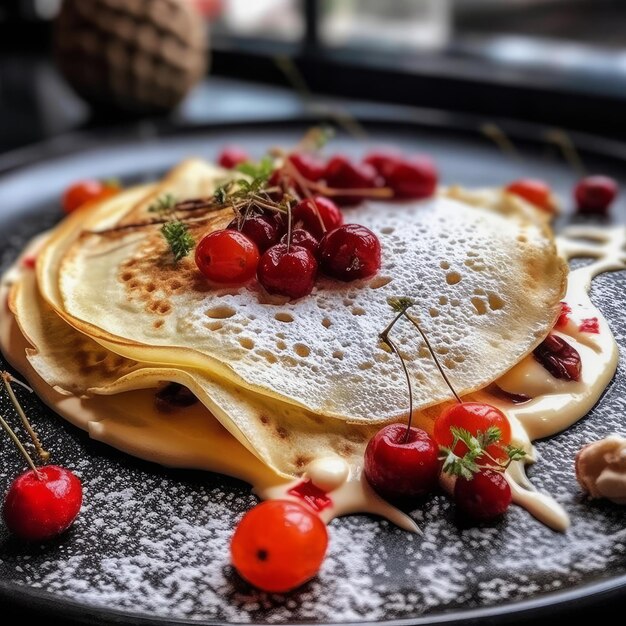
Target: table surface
(36, 105)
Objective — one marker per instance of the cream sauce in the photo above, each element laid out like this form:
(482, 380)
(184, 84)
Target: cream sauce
(194, 439)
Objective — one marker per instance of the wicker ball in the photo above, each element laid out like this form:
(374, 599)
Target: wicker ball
(139, 56)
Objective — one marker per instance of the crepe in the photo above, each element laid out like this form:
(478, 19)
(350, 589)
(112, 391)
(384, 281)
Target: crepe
(283, 436)
(487, 289)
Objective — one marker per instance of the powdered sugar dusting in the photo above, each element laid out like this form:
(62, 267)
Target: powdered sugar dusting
(155, 541)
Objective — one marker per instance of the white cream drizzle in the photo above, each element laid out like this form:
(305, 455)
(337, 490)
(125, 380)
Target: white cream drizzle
(559, 404)
(196, 440)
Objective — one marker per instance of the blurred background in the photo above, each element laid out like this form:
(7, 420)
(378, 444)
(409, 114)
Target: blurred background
(557, 62)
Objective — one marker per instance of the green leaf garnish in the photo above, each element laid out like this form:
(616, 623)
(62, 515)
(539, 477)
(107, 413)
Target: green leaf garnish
(477, 457)
(178, 238)
(258, 172)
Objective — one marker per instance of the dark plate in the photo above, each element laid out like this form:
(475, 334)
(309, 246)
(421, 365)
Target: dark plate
(151, 544)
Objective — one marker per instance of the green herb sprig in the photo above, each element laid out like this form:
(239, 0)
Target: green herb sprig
(178, 238)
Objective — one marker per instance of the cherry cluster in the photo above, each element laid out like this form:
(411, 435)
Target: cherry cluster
(287, 250)
(404, 463)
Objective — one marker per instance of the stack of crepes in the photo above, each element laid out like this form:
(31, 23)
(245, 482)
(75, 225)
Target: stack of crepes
(109, 317)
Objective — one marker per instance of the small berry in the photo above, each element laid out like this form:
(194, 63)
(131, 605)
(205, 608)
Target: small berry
(413, 178)
(86, 191)
(262, 229)
(232, 156)
(595, 194)
(341, 173)
(308, 165)
(474, 417)
(398, 467)
(288, 270)
(41, 506)
(486, 496)
(350, 252)
(383, 160)
(304, 239)
(279, 545)
(535, 191)
(227, 257)
(317, 215)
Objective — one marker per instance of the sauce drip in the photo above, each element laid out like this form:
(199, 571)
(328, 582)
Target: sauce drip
(196, 440)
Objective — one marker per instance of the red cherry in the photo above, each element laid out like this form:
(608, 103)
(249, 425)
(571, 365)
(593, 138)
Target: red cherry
(232, 156)
(399, 468)
(535, 191)
(37, 508)
(227, 257)
(262, 229)
(303, 239)
(474, 417)
(414, 178)
(350, 252)
(343, 174)
(311, 167)
(595, 194)
(486, 496)
(317, 215)
(288, 271)
(383, 160)
(279, 545)
(86, 191)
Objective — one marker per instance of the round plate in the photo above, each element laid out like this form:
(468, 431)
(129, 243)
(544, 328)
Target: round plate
(151, 544)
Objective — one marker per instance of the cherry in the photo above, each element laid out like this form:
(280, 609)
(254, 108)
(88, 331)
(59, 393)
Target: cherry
(560, 358)
(311, 167)
(81, 193)
(304, 239)
(279, 545)
(383, 160)
(42, 504)
(350, 252)
(288, 270)
(474, 417)
(401, 463)
(317, 215)
(535, 191)
(232, 156)
(262, 229)
(595, 194)
(341, 173)
(414, 178)
(486, 496)
(227, 257)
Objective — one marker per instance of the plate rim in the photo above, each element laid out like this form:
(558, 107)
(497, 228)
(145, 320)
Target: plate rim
(547, 604)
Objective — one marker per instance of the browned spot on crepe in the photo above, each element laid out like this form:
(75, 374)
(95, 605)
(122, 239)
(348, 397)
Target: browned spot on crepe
(152, 275)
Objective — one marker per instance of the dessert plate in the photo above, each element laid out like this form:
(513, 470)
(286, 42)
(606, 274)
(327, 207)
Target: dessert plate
(151, 544)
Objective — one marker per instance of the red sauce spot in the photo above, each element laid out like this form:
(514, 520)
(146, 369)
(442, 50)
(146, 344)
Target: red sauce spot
(566, 309)
(590, 325)
(312, 495)
(29, 262)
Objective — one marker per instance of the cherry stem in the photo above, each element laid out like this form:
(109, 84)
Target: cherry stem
(289, 221)
(384, 337)
(44, 455)
(367, 192)
(432, 353)
(303, 182)
(9, 431)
